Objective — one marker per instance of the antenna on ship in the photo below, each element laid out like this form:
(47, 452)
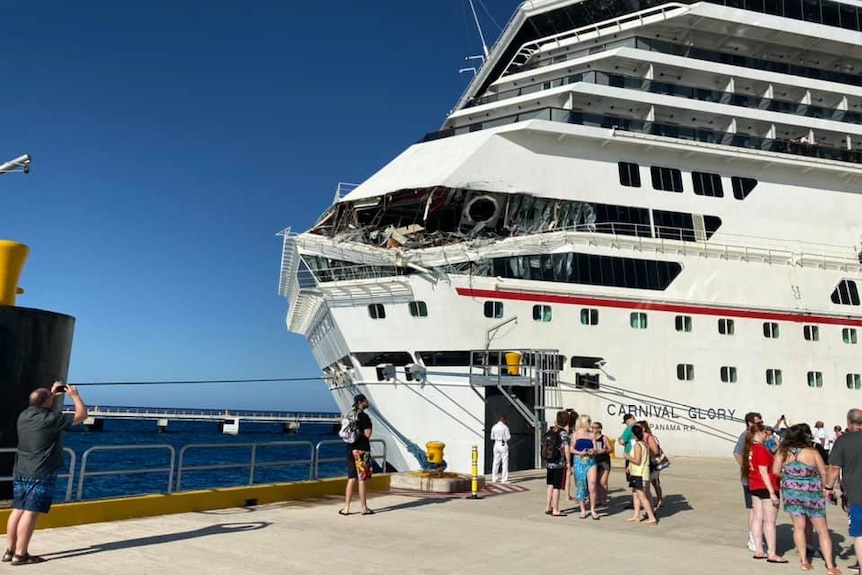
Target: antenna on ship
(21, 163)
(479, 28)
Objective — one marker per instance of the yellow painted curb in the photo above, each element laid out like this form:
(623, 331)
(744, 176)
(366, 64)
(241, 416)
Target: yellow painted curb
(84, 512)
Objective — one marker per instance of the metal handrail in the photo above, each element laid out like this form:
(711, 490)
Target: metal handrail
(318, 460)
(84, 473)
(252, 465)
(69, 476)
(313, 462)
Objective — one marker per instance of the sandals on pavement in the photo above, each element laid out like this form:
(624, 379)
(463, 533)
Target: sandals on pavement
(26, 559)
(7, 555)
(833, 571)
(806, 566)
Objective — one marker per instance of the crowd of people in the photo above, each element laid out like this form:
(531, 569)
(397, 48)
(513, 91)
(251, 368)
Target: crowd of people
(577, 458)
(803, 468)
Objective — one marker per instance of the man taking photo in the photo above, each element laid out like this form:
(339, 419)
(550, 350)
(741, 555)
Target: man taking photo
(39, 458)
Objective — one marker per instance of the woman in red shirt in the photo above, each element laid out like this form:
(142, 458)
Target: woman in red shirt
(757, 467)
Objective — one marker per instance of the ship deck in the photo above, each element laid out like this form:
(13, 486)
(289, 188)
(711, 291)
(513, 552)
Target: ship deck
(702, 530)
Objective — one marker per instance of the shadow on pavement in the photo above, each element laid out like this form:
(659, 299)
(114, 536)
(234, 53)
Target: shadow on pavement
(220, 529)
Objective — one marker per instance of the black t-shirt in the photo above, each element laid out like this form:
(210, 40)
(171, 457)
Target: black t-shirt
(40, 441)
(847, 454)
(363, 422)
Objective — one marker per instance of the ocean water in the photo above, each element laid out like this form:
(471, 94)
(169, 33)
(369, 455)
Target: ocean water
(179, 434)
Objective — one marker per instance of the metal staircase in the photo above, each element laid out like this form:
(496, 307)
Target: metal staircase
(512, 368)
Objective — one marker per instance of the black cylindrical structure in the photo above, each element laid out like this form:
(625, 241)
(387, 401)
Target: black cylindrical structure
(35, 346)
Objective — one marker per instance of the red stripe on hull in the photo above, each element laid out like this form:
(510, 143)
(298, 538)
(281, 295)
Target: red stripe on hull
(655, 306)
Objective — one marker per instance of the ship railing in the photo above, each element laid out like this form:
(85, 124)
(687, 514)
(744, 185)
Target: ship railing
(342, 189)
(634, 19)
(688, 241)
(176, 467)
(68, 476)
(694, 135)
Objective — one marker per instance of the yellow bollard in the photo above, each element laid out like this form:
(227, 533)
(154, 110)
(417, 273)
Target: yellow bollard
(474, 483)
(12, 257)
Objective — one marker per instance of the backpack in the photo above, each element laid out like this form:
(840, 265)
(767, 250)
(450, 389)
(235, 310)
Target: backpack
(347, 433)
(550, 449)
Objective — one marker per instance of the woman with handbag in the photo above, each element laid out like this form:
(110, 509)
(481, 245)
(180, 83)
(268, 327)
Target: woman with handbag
(655, 456)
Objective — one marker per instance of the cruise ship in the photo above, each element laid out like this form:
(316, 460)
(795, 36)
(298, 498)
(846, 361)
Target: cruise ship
(642, 207)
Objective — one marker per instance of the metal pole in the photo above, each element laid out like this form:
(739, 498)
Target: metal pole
(474, 484)
(479, 28)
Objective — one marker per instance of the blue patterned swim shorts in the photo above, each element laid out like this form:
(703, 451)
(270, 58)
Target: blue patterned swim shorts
(32, 494)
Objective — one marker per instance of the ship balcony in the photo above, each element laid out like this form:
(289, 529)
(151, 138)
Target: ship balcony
(515, 367)
(696, 134)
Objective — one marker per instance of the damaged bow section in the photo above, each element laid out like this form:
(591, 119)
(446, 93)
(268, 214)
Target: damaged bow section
(437, 216)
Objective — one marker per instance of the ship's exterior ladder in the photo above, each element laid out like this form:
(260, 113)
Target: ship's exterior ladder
(511, 368)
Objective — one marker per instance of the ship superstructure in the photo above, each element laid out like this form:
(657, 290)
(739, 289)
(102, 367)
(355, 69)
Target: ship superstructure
(647, 207)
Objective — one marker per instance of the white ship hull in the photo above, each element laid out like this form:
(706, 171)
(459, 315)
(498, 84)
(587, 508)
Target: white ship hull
(737, 312)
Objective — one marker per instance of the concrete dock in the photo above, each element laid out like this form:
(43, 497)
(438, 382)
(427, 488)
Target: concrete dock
(702, 530)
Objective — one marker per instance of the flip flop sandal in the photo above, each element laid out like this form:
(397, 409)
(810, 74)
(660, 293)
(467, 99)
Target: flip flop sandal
(26, 559)
(368, 512)
(7, 556)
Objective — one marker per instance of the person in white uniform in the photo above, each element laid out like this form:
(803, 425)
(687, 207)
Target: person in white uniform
(500, 436)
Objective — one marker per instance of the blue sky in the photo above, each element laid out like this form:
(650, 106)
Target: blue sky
(172, 140)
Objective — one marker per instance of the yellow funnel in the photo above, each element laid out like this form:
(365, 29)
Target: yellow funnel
(12, 258)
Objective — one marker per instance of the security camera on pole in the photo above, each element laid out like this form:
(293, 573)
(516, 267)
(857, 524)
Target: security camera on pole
(36, 348)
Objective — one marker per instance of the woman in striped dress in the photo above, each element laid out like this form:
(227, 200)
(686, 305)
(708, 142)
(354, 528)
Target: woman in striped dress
(803, 474)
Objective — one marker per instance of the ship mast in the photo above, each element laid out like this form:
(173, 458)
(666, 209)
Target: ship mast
(479, 28)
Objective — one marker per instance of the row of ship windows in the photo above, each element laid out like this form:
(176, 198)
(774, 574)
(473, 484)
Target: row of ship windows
(774, 377)
(637, 320)
(670, 180)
